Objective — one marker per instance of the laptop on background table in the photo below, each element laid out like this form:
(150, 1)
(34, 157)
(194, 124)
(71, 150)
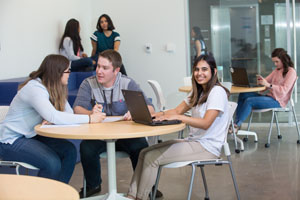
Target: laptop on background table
(138, 109)
(240, 78)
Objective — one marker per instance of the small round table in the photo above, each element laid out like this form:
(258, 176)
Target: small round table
(234, 89)
(109, 132)
(34, 188)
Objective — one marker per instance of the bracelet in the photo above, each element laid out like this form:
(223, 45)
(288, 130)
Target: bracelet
(89, 119)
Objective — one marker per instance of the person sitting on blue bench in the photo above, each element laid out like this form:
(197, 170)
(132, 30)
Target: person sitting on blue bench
(70, 46)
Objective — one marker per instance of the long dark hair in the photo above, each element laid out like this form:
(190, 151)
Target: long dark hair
(198, 33)
(199, 96)
(72, 31)
(109, 22)
(285, 59)
(50, 72)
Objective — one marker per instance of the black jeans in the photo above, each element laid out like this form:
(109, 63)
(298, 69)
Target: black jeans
(91, 149)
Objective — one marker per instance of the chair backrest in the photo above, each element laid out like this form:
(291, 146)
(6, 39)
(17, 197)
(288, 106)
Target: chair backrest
(160, 100)
(227, 85)
(231, 109)
(187, 81)
(291, 97)
(3, 112)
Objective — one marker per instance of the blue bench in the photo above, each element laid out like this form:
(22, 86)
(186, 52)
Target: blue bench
(9, 88)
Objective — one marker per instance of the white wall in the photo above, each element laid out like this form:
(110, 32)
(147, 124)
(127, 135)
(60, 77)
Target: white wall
(156, 22)
(31, 29)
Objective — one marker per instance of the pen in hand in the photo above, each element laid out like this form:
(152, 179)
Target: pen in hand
(98, 108)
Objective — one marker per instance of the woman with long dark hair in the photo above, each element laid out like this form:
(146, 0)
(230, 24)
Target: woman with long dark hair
(199, 46)
(279, 85)
(43, 97)
(70, 46)
(105, 38)
(209, 105)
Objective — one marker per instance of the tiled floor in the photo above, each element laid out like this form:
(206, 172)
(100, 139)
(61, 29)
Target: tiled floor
(271, 173)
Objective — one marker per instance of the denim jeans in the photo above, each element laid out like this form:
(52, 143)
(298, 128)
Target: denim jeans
(55, 158)
(91, 149)
(82, 64)
(252, 100)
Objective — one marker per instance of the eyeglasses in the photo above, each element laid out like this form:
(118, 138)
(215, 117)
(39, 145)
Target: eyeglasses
(68, 71)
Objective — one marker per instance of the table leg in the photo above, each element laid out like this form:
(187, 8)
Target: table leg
(111, 167)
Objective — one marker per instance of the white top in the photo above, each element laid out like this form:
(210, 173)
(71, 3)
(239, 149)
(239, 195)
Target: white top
(28, 108)
(67, 49)
(213, 138)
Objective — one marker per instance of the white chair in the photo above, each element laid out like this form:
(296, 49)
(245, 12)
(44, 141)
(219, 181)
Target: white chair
(289, 108)
(202, 163)
(160, 99)
(187, 81)
(16, 164)
(160, 104)
(237, 140)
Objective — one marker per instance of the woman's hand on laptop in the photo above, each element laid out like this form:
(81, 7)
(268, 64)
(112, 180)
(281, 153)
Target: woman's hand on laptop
(166, 117)
(127, 116)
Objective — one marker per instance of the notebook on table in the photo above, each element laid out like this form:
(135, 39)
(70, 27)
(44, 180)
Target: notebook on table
(138, 109)
(239, 78)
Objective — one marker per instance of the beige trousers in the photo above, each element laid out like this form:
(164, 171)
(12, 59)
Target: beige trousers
(163, 153)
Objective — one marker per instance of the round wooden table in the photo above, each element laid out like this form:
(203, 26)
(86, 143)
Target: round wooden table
(234, 89)
(109, 132)
(34, 188)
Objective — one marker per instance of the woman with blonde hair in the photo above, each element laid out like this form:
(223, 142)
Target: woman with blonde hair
(43, 97)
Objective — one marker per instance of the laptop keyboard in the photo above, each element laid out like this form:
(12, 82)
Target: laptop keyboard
(165, 122)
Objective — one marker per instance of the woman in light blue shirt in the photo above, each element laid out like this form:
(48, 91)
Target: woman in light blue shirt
(42, 98)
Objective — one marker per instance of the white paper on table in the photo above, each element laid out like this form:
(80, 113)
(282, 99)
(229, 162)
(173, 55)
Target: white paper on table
(58, 126)
(113, 119)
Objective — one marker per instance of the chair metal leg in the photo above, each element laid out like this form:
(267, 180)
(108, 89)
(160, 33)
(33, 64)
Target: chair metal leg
(248, 128)
(233, 178)
(235, 139)
(277, 126)
(153, 196)
(297, 126)
(204, 182)
(191, 182)
(180, 134)
(270, 130)
(17, 169)
(84, 186)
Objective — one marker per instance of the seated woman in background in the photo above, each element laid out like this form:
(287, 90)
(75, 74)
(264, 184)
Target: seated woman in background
(279, 85)
(70, 46)
(208, 102)
(105, 38)
(42, 97)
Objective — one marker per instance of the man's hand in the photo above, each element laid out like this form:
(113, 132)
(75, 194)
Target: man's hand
(98, 108)
(97, 117)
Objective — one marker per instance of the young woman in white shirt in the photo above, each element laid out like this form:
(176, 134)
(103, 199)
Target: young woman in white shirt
(208, 102)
